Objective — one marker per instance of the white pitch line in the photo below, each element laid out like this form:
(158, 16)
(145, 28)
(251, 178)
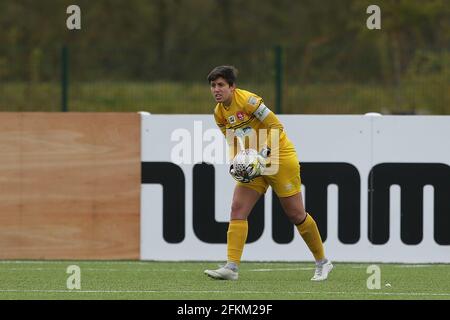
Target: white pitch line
(281, 269)
(69, 262)
(231, 292)
(62, 268)
(182, 270)
(146, 263)
(97, 269)
(418, 265)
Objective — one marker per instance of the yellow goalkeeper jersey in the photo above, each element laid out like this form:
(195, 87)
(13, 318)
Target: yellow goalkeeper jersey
(248, 114)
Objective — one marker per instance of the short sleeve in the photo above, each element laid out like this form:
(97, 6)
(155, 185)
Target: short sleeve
(220, 121)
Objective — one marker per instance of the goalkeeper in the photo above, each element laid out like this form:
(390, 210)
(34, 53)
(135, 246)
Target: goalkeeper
(244, 112)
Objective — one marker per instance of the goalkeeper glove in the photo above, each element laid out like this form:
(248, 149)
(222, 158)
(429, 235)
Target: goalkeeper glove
(265, 152)
(262, 158)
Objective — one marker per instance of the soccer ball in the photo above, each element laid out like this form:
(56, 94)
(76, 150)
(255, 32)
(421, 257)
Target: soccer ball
(246, 166)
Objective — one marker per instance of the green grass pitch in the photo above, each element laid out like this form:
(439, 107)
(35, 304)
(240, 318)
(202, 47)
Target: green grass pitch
(185, 281)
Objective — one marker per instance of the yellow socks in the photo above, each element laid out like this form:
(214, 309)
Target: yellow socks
(238, 230)
(310, 234)
(236, 237)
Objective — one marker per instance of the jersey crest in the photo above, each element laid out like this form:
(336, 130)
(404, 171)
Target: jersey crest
(240, 115)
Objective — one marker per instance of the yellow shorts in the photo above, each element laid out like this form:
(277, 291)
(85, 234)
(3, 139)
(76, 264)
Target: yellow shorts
(286, 182)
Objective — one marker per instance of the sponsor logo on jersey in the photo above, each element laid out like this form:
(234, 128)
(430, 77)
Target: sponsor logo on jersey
(231, 119)
(253, 101)
(246, 130)
(242, 132)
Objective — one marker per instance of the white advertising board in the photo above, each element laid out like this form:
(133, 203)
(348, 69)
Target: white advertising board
(185, 205)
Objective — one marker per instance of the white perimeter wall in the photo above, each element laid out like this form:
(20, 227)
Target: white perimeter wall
(363, 141)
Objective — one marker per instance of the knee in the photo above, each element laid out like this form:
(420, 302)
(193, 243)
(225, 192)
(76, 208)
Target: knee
(236, 207)
(238, 210)
(296, 215)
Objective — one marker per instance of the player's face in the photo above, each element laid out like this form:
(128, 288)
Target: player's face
(222, 91)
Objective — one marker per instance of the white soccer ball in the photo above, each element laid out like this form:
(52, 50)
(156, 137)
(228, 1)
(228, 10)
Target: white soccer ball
(246, 164)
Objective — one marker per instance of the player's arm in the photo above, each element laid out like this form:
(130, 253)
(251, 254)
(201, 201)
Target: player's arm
(271, 122)
(273, 125)
(221, 123)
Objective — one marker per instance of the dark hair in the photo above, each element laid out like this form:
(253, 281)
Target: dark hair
(229, 73)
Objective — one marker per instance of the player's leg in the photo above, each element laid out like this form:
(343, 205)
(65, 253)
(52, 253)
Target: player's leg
(307, 227)
(244, 199)
(286, 184)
